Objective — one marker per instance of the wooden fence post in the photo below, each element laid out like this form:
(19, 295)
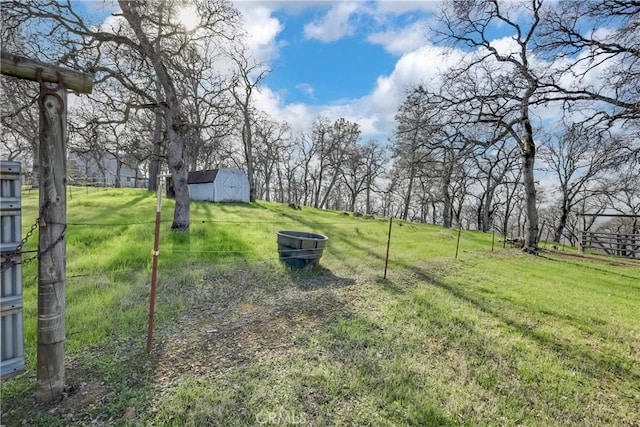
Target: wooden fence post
(52, 244)
(52, 157)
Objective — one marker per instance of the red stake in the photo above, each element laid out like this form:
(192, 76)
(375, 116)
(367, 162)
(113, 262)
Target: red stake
(386, 259)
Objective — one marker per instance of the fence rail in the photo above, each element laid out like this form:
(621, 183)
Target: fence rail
(615, 244)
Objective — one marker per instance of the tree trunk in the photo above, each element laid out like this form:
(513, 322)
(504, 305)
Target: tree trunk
(332, 183)
(352, 202)
(562, 224)
(368, 196)
(434, 214)
(178, 129)
(407, 199)
(118, 181)
(52, 244)
(486, 211)
(446, 211)
(280, 184)
(154, 163)
(316, 200)
(528, 158)
(479, 213)
(446, 198)
(268, 176)
(247, 137)
(180, 173)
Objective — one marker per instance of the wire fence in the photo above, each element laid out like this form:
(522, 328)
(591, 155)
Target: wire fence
(402, 245)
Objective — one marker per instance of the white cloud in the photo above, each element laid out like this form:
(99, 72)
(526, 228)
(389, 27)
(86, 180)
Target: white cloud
(334, 25)
(374, 112)
(399, 7)
(403, 40)
(506, 46)
(112, 23)
(419, 63)
(306, 88)
(262, 30)
(299, 116)
(418, 67)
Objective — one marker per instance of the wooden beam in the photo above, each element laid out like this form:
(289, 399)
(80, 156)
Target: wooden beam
(25, 68)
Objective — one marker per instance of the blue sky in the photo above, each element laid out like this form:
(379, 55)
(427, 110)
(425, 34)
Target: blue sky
(340, 59)
(317, 72)
(329, 52)
(350, 59)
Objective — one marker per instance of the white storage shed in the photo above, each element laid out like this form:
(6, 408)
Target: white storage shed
(219, 185)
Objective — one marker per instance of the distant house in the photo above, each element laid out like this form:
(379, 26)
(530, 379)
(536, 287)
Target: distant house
(104, 170)
(216, 185)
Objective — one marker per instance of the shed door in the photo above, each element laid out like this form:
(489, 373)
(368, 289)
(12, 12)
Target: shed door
(11, 326)
(232, 187)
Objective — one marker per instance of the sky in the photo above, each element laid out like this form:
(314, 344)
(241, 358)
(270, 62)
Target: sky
(340, 59)
(350, 59)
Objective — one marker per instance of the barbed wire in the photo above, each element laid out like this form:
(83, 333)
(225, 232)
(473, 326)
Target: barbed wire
(114, 224)
(199, 221)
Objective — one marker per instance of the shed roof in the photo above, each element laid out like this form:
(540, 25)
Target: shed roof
(200, 177)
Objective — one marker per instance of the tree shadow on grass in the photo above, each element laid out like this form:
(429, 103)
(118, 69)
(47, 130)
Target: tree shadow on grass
(582, 359)
(121, 212)
(370, 359)
(232, 206)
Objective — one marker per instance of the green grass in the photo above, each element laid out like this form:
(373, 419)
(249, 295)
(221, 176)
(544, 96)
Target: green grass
(492, 338)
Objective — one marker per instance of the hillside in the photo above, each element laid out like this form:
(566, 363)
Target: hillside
(492, 337)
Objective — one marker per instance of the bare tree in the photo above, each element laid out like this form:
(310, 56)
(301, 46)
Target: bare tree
(324, 153)
(576, 158)
(271, 142)
(354, 174)
(18, 106)
(135, 32)
(292, 161)
(507, 197)
(625, 198)
(596, 40)
(497, 85)
(205, 92)
(375, 157)
(247, 77)
(18, 114)
(415, 128)
(492, 164)
(341, 140)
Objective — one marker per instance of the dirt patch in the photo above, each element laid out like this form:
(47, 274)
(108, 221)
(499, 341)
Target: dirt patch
(84, 394)
(77, 400)
(249, 323)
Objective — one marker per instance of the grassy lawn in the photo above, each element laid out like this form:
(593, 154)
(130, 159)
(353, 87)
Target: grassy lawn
(492, 338)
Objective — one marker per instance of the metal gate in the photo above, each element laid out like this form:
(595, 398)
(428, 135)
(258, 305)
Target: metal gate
(11, 331)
